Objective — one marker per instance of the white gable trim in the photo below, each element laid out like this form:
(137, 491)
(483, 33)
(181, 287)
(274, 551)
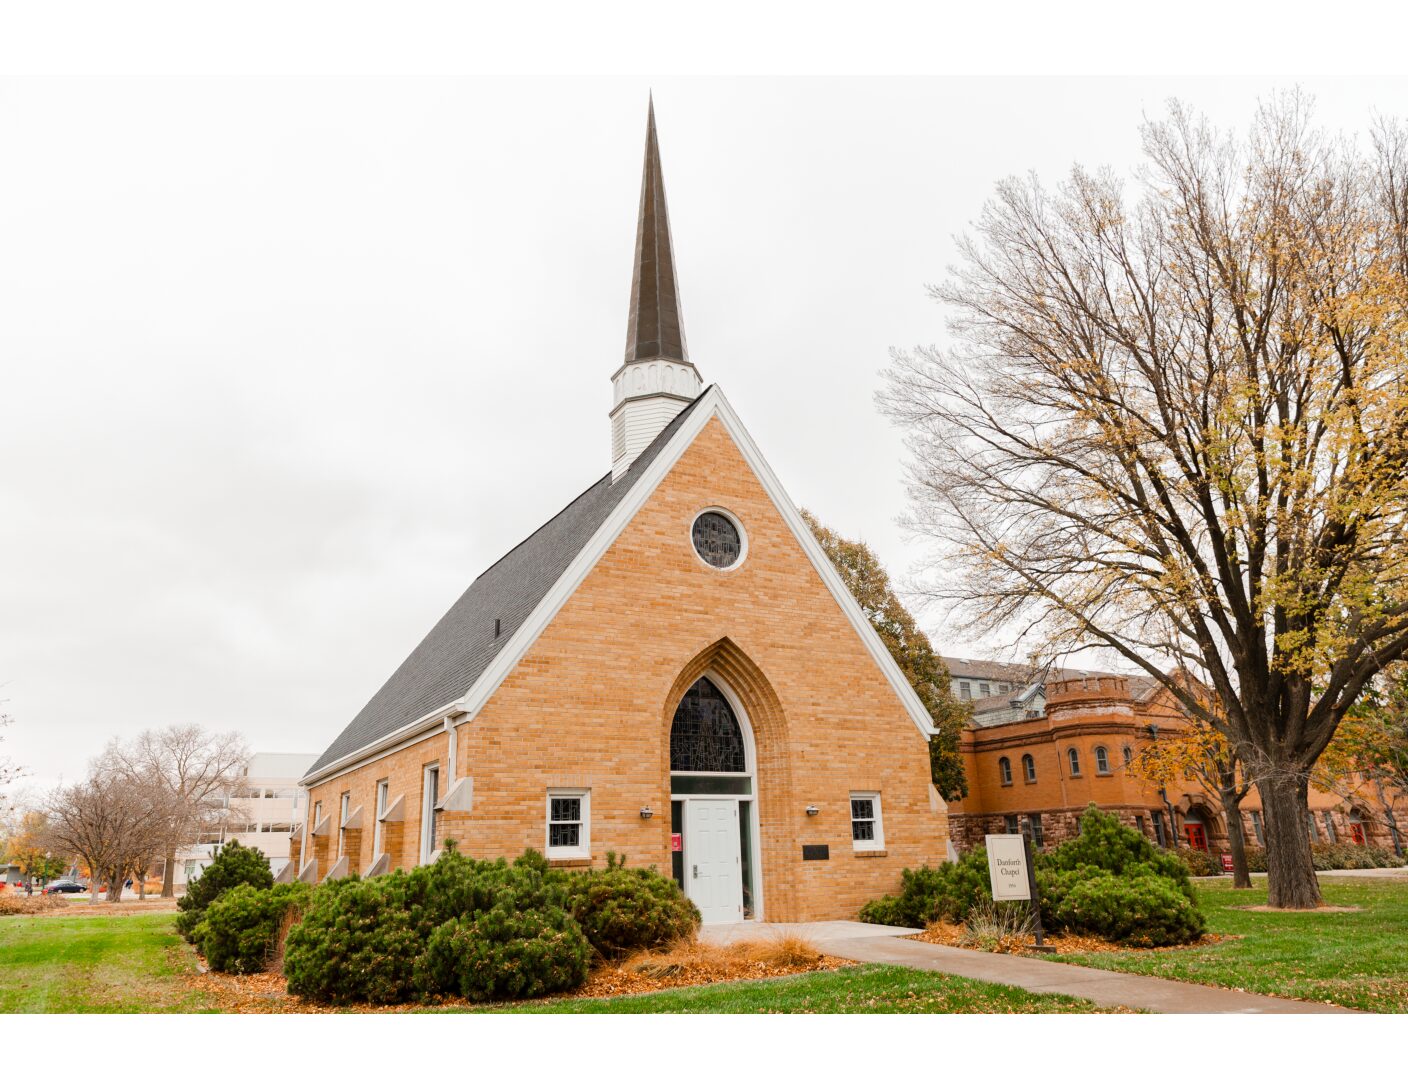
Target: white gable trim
(712, 404)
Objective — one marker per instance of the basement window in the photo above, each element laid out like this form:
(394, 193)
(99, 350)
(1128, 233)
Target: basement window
(569, 824)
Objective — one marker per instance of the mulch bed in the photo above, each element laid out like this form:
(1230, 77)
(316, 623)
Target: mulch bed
(268, 992)
(1327, 909)
(956, 936)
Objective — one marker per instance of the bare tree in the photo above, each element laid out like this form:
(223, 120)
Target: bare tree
(196, 770)
(1178, 431)
(111, 827)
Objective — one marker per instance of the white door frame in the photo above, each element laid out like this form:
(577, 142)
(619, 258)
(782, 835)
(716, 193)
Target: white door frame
(755, 852)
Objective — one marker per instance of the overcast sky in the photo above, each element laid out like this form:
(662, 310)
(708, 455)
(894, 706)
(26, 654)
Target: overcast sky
(287, 362)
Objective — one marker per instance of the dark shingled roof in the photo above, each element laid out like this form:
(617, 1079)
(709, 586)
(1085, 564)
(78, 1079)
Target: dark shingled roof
(460, 647)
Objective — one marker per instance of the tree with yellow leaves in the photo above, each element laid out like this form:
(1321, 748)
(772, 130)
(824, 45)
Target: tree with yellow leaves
(1366, 765)
(1176, 429)
(1201, 754)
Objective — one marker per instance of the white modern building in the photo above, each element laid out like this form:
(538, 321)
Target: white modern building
(261, 814)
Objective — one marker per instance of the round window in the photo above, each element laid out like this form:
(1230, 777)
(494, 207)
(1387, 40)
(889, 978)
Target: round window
(717, 540)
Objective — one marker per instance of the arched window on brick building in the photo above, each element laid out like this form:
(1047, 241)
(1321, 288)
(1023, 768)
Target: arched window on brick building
(1102, 760)
(1004, 770)
(1029, 767)
(1074, 757)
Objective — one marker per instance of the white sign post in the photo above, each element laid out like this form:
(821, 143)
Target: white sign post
(1013, 877)
(1007, 867)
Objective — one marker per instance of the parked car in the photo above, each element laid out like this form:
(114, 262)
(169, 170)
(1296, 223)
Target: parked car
(62, 886)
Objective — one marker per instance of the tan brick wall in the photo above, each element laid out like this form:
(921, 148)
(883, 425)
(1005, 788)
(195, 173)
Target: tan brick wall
(590, 706)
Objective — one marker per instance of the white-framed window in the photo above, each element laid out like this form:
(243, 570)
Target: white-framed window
(429, 796)
(1004, 770)
(1028, 767)
(569, 822)
(383, 788)
(965, 689)
(1074, 757)
(344, 806)
(985, 689)
(867, 827)
(1102, 760)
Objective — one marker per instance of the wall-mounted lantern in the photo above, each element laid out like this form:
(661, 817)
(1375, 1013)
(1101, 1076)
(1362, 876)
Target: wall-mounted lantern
(646, 813)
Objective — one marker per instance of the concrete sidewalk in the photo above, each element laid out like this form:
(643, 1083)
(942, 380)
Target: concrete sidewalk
(884, 944)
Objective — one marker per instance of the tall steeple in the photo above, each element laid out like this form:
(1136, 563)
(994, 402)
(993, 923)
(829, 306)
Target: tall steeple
(657, 379)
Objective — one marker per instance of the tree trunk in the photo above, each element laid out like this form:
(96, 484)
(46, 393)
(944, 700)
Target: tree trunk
(1290, 866)
(168, 874)
(115, 886)
(1236, 837)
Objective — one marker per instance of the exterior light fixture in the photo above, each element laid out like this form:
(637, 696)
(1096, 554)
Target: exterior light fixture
(812, 810)
(646, 813)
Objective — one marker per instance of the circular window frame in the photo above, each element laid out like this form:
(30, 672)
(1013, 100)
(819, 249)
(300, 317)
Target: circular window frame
(738, 527)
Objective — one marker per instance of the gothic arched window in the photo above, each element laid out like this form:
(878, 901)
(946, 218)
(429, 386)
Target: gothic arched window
(705, 735)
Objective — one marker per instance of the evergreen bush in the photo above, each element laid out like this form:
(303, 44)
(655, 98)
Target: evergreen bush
(1108, 881)
(948, 893)
(358, 941)
(240, 930)
(233, 865)
(624, 910)
(1138, 907)
(507, 954)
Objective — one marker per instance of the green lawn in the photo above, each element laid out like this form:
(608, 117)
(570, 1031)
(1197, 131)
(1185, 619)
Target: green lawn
(50, 963)
(1358, 960)
(872, 988)
(137, 963)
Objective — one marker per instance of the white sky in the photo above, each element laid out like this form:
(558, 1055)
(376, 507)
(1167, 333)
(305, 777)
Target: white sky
(285, 362)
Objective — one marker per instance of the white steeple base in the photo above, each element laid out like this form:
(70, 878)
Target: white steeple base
(646, 397)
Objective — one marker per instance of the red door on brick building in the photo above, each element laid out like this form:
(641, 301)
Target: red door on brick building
(1197, 837)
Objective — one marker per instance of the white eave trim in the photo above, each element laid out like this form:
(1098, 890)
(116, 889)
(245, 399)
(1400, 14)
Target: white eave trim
(712, 403)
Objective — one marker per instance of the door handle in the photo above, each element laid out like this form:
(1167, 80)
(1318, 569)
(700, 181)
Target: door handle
(696, 872)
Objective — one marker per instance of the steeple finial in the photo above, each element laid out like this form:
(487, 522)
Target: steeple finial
(655, 330)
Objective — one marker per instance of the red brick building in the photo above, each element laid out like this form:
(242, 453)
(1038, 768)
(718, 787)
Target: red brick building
(1044, 746)
(668, 668)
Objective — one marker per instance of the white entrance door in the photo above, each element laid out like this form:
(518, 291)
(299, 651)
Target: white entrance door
(714, 874)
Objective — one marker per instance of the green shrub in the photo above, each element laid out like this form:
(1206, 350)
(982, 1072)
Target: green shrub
(1256, 859)
(1108, 881)
(623, 910)
(1196, 862)
(948, 893)
(240, 930)
(505, 954)
(232, 866)
(358, 941)
(1351, 855)
(1110, 845)
(1140, 909)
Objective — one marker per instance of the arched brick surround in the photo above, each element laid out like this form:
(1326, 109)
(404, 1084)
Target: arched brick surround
(772, 743)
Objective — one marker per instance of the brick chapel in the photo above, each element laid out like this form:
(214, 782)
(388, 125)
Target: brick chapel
(668, 668)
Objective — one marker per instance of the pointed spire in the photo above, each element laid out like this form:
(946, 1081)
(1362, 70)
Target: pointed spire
(655, 330)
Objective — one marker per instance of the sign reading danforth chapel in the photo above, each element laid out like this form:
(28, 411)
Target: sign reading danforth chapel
(653, 671)
(1007, 868)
